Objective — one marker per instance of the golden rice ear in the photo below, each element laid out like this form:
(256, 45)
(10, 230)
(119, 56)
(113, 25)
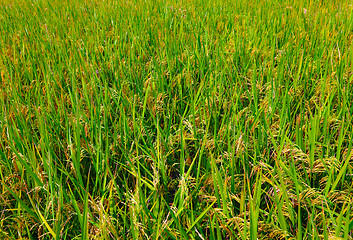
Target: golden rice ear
(332, 237)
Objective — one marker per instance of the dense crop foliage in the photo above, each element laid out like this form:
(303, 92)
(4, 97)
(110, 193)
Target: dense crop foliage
(142, 119)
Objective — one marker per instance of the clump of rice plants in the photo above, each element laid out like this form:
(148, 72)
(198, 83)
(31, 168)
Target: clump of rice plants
(141, 119)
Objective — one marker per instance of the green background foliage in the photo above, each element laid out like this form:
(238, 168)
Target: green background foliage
(175, 119)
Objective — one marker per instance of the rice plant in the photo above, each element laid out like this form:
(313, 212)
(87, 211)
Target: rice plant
(175, 119)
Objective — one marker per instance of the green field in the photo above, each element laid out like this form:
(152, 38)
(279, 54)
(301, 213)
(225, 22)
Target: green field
(176, 119)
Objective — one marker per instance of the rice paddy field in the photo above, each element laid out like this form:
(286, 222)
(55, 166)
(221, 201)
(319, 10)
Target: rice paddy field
(175, 119)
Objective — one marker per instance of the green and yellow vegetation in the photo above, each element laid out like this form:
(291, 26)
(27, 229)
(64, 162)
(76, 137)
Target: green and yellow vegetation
(176, 119)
